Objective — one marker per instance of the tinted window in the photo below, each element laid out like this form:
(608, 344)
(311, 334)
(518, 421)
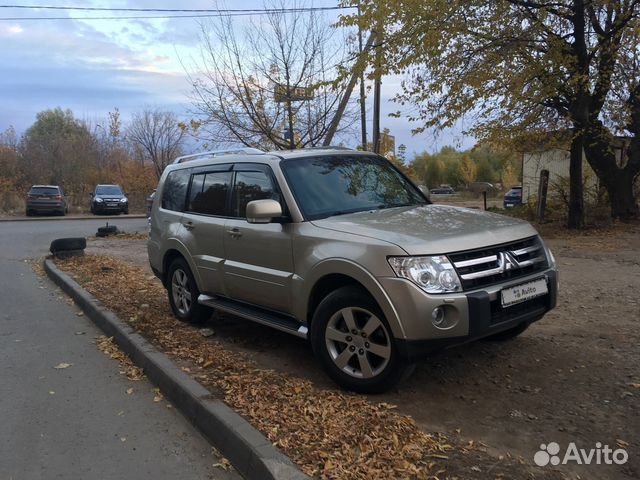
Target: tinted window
(108, 190)
(335, 185)
(174, 191)
(250, 186)
(44, 191)
(209, 193)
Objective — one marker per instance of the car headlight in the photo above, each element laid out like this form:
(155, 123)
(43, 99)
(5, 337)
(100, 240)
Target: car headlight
(433, 274)
(123, 200)
(99, 200)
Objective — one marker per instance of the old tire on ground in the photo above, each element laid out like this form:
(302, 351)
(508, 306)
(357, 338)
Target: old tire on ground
(183, 293)
(352, 339)
(508, 334)
(108, 230)
(68, 244)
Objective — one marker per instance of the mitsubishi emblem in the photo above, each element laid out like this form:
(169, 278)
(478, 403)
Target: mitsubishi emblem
(507, 261)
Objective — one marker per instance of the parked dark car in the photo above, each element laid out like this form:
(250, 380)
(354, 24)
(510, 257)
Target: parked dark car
(513, 197)
(46, 199)
(442, 191)
(109, 199)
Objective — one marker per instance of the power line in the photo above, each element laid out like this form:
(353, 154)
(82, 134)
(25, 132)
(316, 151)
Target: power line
(174, 10)
(188, 13)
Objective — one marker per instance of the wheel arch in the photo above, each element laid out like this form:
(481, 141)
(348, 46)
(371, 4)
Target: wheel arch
(173, 251)
(332, 274)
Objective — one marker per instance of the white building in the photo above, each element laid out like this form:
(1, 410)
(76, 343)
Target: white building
(556, 160)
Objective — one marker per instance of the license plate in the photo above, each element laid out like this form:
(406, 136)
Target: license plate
(524, 292)
(112, 204)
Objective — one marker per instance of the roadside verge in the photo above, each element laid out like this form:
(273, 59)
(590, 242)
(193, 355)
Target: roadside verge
(250, 452)
(70, 217)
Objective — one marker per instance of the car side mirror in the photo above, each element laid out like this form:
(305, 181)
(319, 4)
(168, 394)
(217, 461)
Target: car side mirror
(91, 194)
(263, 211)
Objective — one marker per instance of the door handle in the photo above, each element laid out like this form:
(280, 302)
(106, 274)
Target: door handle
(234, 232)
(189, 225)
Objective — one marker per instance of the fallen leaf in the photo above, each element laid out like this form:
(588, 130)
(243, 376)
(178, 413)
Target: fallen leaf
(79, 314)
(129, 391)
(123, 439)
(51, 392)
(636, 385)
(60, 366)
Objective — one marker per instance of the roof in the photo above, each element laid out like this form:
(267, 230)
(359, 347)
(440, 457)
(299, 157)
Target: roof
(256, 156)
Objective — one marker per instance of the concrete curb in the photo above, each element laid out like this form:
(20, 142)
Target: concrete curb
(250, 452)
(93, 217)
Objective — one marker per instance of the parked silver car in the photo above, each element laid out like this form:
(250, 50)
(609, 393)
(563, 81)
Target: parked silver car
(46, 199)
(339, 247)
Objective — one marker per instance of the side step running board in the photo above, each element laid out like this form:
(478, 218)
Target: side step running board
(255, 314)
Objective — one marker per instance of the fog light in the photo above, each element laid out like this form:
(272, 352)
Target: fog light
(437, 316)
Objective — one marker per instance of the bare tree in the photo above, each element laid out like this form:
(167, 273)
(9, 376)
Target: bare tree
(157, 136)
(273, 86)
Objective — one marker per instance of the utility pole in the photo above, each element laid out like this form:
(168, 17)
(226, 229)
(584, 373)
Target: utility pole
(376, 91)
(359, 65)
(363, 97)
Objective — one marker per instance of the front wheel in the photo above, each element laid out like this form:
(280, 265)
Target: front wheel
(183, 294)
(352, 339)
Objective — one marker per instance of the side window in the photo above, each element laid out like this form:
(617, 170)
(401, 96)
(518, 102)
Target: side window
(209, 193)
(250, 186)
(174, 191)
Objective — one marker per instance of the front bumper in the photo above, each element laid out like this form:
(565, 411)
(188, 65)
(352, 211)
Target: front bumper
(105, 207)
(480, 314)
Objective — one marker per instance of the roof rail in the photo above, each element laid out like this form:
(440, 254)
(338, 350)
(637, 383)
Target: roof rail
(327, 147)
(217, 153)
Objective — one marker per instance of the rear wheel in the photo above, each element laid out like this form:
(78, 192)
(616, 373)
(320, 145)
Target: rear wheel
(352, 339)
(183, 294)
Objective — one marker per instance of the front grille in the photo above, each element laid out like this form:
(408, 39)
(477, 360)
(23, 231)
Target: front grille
(495, 264)
(501, 314)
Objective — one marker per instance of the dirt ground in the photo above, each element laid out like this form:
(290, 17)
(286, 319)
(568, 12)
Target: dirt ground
(572, 377)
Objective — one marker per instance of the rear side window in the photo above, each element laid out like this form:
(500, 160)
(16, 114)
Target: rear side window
(208, 194)
(174, 191)
(44, 191)
(250, 186)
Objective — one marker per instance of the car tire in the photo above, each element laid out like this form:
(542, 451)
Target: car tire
(508, 334)
(68, 244)
(183, 294)
(354, 343)
(108, 230)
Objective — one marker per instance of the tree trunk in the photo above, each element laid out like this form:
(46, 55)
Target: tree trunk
(576, 196)
(600, 152)
(623, 203)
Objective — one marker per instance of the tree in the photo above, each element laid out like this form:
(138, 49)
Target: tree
(275, 88)
(57, 149)
(467, 170)
(524, 66)
(157, 136)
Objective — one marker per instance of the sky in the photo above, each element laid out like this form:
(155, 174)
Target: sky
(94, 66)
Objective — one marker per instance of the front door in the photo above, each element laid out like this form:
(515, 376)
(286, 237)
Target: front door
(259, 257)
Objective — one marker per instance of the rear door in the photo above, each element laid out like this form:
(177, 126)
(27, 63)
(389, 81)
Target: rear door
(259, 257)
(203, 223)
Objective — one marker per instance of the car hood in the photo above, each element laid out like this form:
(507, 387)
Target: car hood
(431, 229)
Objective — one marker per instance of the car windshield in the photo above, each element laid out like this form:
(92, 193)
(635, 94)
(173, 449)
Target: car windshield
(336, 185)
(515, 191)
(44, 191)
(108, 190)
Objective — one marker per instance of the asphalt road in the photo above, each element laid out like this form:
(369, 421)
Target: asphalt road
(77, 422)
